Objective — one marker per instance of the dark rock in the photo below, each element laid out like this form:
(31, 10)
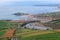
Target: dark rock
(20, 14)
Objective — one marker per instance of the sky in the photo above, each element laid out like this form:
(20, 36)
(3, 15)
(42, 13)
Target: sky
(7, 2)
(4, 1)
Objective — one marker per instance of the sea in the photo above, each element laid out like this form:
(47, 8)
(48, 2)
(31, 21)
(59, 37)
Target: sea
(6, 12)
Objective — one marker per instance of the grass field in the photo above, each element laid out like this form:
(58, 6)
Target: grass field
(50, 36)
(57, 21)
(24, 33)
(1, 33)
(55, 24)
(27, 34)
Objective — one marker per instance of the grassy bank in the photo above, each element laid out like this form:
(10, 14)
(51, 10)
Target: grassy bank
(50, 36)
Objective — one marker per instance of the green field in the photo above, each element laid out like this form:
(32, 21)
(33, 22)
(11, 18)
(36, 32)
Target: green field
(1, 33)
(50, 36)
(57, 21)
(27, 34)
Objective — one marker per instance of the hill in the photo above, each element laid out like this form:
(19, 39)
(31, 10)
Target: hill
(54, 15)
(47, 5)
(55, 24)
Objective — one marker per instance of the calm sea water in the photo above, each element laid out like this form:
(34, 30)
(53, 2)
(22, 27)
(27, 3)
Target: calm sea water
(7, 11)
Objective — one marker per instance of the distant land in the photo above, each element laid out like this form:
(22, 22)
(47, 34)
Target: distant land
(47, 5)
(31, 3)
(20, 14)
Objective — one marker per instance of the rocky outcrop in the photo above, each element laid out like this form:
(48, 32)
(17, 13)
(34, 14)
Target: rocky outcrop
(20, 14)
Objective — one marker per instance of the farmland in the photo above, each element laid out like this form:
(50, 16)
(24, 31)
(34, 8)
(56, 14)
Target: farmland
(29, 34)
(50, 36)
(26, 34)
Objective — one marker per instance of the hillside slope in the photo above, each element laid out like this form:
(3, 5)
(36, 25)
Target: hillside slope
(54, 15)
(55, 24)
